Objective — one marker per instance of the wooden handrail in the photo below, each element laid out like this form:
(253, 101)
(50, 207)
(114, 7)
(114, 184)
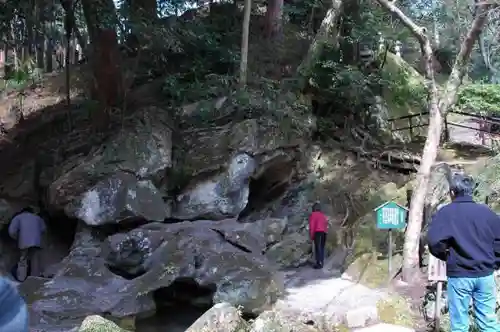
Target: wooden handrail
(410, 116)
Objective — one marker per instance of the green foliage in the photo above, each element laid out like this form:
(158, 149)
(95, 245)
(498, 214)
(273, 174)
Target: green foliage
(183, 89)
(25, 75)
(351, 89)
(337, 81)
(482, 99)
(403, 86)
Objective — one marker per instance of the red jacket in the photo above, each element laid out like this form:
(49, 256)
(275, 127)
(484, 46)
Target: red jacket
(317, 223)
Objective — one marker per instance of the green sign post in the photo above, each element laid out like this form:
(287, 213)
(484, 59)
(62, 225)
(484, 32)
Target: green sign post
(390, 215)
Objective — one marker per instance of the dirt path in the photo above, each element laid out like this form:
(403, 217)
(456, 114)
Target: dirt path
(325, 298)
(313, 290)
(469, 135)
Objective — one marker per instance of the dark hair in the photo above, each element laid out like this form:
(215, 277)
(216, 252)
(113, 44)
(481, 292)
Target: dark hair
(28, 209)
(316, 207)
(461, 185)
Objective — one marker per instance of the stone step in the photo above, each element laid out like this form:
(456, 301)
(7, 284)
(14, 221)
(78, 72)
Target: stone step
(383, 327)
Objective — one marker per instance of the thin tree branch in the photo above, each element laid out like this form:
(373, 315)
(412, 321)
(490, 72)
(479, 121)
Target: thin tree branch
(460, 66)
(418, 32)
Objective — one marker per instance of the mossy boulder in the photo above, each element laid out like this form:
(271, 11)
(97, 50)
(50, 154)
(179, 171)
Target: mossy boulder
(277, 321)
(372, 269)
(487, 176)
(404, 91)
(97, 323)
(222, 317)
(293, 250)
(369, 239)
(396, 310)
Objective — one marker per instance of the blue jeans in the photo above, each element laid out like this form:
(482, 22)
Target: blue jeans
(482, 291)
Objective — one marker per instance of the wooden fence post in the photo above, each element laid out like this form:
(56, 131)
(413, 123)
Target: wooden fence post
(446, 130)
(410, 124)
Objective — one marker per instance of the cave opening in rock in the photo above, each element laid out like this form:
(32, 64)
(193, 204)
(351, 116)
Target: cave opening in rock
(269, 185)
(59, 237)
(57, 242)
(178, 306)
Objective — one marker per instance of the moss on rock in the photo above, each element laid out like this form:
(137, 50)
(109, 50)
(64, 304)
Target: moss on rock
(371, 269)
(404, 90)
(97, 323)
(397, 311)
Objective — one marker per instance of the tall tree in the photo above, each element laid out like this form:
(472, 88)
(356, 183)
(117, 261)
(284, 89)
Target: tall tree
(438, 107)
(40, 19)
(244, 43)
(350, 19)
(274, 19)
(101, 20)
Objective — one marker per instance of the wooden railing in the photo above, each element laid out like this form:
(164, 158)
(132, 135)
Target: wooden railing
(484, 122)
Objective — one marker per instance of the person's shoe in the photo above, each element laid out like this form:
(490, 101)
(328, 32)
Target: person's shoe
(22, 270)
(317, 266)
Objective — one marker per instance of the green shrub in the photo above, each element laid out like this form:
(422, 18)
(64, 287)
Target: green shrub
(482, 99)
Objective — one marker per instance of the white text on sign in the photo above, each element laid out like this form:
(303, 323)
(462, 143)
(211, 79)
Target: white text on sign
(390, 216)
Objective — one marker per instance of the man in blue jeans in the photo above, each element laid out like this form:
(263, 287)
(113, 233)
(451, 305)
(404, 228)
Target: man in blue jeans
(467, 236)
(13, 310)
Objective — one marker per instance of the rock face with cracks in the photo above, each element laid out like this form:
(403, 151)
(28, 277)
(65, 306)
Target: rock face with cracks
(221, 158)
(225, 195)
(117, 180)
(201, 251)
(130, 177)
(225, 254)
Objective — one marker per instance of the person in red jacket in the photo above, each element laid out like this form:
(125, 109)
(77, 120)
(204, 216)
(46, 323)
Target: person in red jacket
(318, 226)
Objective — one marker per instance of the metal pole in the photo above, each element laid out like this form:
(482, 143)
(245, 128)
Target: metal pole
(437, 309)
(389, 259)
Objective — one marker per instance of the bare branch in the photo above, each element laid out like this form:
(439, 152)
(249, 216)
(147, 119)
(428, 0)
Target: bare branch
(418, 32)
(460, 66)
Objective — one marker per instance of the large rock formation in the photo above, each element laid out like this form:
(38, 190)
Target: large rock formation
(225, 195)
(247, 163)
(219, 160)
(117, 180)
(223, 254)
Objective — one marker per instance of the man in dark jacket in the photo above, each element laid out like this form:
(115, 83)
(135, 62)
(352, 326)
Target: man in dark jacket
(467, 236)
(28, 228)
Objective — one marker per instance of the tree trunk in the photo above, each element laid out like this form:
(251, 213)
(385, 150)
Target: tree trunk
(40, 34)
(274, 19)
(244, 43)
(30, 29)
(81, 41)
(350, 18)
(328, 33)
(13, 43)
(49, 54)
(438, 107)
(49, 36)
(105, 56)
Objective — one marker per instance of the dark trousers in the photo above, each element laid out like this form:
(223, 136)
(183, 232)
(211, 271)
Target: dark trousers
(319, 247)
(29, 263)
